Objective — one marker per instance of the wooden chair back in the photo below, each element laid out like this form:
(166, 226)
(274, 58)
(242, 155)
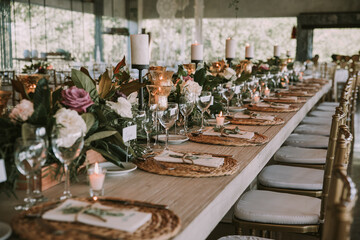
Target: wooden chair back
(18, 87)
(340, 213)
(338, 119)
(341, 161)
(4, 98)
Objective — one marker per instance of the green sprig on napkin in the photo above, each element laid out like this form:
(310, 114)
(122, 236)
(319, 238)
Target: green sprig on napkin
(227, 131)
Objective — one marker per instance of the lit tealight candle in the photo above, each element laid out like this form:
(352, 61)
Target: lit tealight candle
(197, 51)
(220, 119)
(96, 178)
(267, 92)
(256, 97)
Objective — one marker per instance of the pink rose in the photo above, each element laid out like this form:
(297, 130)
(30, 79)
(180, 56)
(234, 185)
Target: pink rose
(187, 78)
(76, 99)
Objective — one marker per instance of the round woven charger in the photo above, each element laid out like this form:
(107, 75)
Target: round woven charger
(229, 167)
(316, 80)
(256, 122)
(270, 109)
(295, 94)
(282, 100)
(164, 224)
(257, 140)
(303, 88)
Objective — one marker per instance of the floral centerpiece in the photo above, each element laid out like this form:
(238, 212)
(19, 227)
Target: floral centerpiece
(39, 67)
(100, 110)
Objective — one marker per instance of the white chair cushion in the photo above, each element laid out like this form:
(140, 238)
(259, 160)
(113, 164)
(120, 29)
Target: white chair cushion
(326, 109)
(237, 237)
(307, 141)
(313, 129)
(322, 114)
(317, 120)
(281, 176)
(277, 208)
(289, 154)
(341, 75)
(332, 104)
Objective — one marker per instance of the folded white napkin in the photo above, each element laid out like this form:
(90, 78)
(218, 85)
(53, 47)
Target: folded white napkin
(277, 105)
(202, 160)
(282, 98)
(126, 219)
(243, 134)
(258, 116)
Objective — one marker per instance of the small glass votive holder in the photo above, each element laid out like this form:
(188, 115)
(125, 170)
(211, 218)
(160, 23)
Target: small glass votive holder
(96, 180)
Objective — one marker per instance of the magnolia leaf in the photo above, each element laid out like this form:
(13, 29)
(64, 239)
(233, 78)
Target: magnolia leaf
(200, 76)
(42, 94)
(131, 87)
(40, 115)
(119, 66)
(84, 70)
(20, 88)
(89, 119)
(81, 80)
(99, 135)
(105, 84)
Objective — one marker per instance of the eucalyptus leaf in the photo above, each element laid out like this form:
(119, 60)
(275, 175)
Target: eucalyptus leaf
(99, 135)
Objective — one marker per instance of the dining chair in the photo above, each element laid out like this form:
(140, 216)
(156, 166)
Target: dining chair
(301, 179)
(339, 216)
(261, 211)
(6, 76)
(4, 98)
(18, 91)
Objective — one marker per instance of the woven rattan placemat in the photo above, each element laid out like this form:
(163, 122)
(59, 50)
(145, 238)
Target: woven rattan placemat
(271, 109)
(255, 121)
(164, 224)
(286, 100)
(257, 140)
(229, 167)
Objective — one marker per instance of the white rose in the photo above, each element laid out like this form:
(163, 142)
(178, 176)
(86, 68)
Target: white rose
(191, 87)
(121, 107)
(228, 73)
(73, 126)
(22, 111)
(132, 98)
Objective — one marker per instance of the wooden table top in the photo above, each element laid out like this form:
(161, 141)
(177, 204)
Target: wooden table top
(199, 202)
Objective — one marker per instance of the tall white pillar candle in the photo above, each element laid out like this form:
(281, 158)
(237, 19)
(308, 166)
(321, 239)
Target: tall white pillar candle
(288, 53)
(249, 51)
(139, 49)
(230, 46)
(276, 50)
(197, 51)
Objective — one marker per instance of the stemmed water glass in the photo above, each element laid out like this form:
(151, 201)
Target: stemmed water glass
(66, 147)
(203, 103)
(28, 153)
(186, 105)
(167, 118)
(227, 92)
(149, 124)
(238, 92)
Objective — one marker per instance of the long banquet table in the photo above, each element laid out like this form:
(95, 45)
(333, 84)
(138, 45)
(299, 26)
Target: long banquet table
(199, 202)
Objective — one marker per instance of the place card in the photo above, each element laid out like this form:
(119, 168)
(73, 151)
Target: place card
(2, 171)
(129, 133)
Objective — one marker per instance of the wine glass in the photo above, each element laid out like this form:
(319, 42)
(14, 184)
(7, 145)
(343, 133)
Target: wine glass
(203, 103)
(28, 153)
(149, 124)
(227, 92)
(67, 147)
(238, 92)
(167, 118)
(186, 105)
